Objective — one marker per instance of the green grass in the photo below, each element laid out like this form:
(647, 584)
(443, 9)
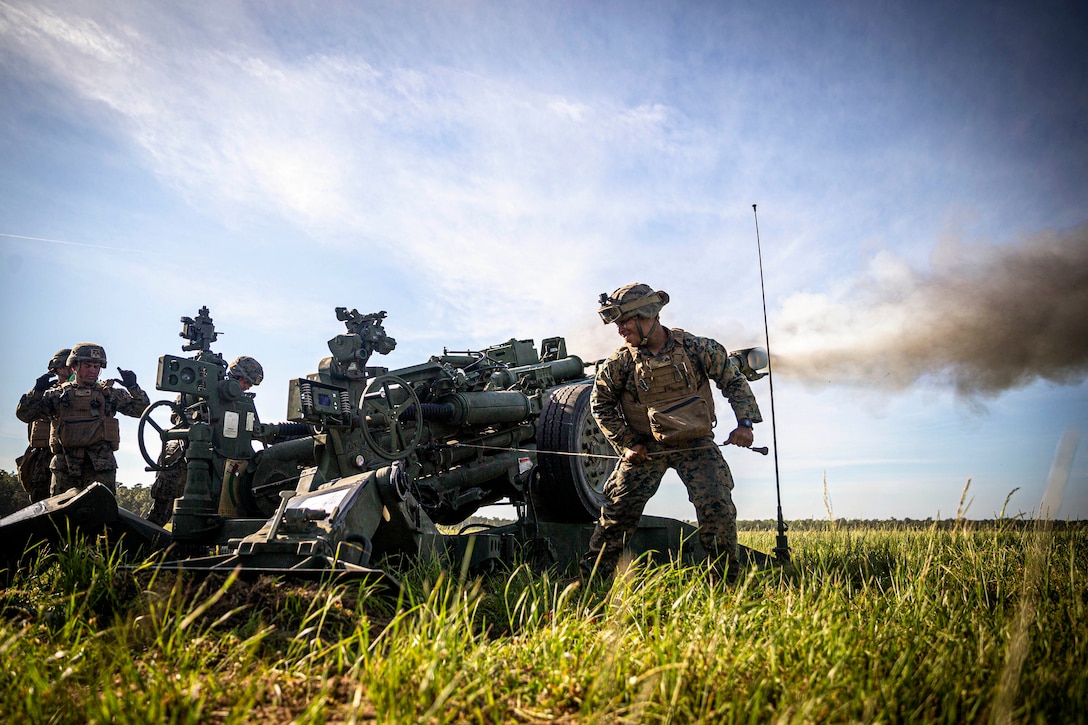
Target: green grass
(868, 626)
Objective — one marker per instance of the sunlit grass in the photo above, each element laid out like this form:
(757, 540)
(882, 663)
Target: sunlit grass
(873, 625)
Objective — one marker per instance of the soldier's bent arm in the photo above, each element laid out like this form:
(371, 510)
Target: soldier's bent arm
(724, 372)
(604, 404)
(133, 402)
(33, 406)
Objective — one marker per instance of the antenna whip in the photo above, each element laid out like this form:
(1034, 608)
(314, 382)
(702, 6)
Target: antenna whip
(782, 544)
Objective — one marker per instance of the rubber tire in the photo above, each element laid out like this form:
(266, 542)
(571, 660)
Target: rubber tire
(569, 488)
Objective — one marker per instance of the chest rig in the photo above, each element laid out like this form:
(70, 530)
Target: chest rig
(85, 417)
(39, 433)
(667, 396)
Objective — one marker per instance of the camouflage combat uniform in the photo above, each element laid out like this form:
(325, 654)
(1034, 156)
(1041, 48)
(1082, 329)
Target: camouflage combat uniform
(169, 482)
(77, 467)
(703, 470)
(33, 465)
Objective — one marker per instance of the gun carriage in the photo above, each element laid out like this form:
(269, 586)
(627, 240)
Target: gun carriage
(370, 460)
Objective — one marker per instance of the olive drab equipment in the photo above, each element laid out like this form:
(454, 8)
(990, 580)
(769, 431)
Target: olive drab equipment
(372, 460)
(87, 352)
(671, 400)
(87, 417)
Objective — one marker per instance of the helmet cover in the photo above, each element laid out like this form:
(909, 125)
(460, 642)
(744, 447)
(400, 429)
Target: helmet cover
(59, 359)
(246, 368)
(632, 300)
(87, 352)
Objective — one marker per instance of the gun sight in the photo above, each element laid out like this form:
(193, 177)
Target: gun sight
(200, 332)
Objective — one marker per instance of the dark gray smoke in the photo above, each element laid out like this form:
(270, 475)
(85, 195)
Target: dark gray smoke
(983, 319)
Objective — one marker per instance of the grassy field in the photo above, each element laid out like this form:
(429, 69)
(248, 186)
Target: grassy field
(931, 625)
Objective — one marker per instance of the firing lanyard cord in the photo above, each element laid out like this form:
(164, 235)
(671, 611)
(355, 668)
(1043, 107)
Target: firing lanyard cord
(584, 455)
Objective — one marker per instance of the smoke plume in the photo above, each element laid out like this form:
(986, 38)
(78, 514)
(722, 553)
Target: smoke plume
(983, 319)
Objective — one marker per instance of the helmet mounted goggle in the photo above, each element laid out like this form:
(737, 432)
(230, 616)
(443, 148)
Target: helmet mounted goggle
(612, 310)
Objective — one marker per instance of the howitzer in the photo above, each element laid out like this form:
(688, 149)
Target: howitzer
(372, 459)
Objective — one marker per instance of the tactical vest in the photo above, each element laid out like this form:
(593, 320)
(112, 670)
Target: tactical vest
(671, 400)
(86, 417)
(39, 433)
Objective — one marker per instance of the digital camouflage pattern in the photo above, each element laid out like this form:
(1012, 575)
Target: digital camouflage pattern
(626, 296)
(246, 368)
(59, 359)
(616, 375)
(33, 465)
(87, 352)
(169, 482)
(79, 467)
(631, 485)
(34, 472)
(704, 471)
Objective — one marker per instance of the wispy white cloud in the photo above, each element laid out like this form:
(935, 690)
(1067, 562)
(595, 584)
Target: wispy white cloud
(453, 177)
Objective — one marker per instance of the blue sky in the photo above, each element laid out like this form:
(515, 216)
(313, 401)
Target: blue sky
(483, 170)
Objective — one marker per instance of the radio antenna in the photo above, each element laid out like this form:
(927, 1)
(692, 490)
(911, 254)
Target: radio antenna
(782, 544)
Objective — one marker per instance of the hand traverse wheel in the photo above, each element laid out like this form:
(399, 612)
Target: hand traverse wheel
(147, 421)
(386, 400)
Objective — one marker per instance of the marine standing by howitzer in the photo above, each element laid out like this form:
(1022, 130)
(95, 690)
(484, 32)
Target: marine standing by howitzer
(170, 478)
(84, 431)
(652, 400)
(33, 465)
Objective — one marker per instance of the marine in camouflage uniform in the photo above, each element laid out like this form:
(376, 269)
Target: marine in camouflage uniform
(33, 465)
(84, 431)
(635, 395)
(170, 479)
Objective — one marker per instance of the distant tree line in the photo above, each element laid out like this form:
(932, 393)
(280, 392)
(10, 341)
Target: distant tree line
(893, 524)
(138, 500)
(12, 496)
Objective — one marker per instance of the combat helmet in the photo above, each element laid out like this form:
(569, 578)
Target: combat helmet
(631, 300)
(246, 368)
(59, 359)
(87, 352)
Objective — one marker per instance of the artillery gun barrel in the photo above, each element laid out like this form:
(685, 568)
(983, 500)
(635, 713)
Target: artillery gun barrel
(466, 450)
(485, 408)
(494, 407)
(568, 368)
(464, 478)
(457, 361)
(475, 483)
(295, 451)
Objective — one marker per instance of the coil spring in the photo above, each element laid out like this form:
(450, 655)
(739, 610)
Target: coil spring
(306, 396)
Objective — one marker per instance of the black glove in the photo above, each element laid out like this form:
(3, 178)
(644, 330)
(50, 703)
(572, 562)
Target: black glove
(44, 383)
(128, 378)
